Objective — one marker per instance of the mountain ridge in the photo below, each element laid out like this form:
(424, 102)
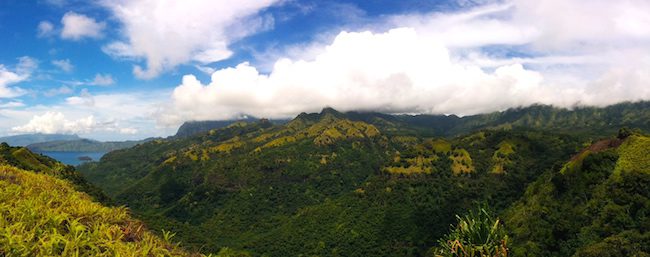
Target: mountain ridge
(27, 139)
(254, 185)
(84, 145)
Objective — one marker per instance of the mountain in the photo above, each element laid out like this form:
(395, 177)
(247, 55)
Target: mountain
(27, 139)
(45, 216)
(331, 183)
(579, 120)
(195, 127)
(83, 145)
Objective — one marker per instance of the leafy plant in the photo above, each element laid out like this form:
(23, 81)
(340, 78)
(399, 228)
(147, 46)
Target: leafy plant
(478, 234)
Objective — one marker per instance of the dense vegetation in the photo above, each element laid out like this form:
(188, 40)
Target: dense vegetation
(359, 184)
(578, 121)
(597, 204)
(82, 145)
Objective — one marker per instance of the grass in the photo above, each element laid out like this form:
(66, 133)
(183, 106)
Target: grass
(633, 155)
(44, 216)
(462, 162)
(501, 157)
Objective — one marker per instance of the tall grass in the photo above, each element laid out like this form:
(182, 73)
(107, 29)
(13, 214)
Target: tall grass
(44, 216)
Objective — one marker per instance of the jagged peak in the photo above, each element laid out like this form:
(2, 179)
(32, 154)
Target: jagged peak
(331, 111)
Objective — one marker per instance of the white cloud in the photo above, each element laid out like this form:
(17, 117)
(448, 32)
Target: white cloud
(12, 104)
(62, 90)
(167, 33)
(21, 72)
(102, 80)
(7, 78)
(77, 26)
(84, 98)
(45, 29)
(128, 131)
(396, 71)
(64, 64)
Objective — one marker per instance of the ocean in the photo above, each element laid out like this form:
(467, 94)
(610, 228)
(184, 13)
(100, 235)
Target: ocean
(72, 158)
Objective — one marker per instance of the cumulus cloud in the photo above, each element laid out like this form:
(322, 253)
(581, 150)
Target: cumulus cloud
(396, 71)
(64, 64)
(116, 116)
(78, 26)
(55, 122)
(45, 29)
(195, 31)
(21, 72)
(461, 63)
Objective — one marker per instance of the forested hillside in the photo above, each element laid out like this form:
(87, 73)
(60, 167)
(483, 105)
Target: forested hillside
(354, 184)
(593, 121)
(596, 204)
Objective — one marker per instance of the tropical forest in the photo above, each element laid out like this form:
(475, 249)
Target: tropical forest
(338, 128)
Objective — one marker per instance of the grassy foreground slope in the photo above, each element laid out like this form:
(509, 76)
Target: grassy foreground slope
(44, 216)
(25, 159)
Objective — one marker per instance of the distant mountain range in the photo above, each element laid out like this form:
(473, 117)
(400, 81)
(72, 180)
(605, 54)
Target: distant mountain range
(196, 127)
(83, 145)
(66, 143)
(606, 120)
(28, 139)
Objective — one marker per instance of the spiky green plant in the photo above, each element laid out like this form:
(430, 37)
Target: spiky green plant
(477, 234)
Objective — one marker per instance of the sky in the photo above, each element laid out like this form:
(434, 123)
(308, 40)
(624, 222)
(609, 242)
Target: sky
(132, 69)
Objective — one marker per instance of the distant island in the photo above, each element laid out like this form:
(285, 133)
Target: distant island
(85, 158)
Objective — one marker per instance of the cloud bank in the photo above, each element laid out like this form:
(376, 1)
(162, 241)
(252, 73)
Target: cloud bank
(168, 33)
(100, 116)
(436, 63)
(55, 122)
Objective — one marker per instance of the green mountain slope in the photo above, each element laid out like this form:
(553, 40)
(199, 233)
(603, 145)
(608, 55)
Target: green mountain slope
(23, 158)
(597, 204)
(83, 145)
(323, 184)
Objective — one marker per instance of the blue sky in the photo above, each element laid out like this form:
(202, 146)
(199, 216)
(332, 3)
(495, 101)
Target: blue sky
(130, 69)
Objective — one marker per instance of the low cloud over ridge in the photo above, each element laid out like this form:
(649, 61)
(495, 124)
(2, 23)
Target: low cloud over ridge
(424, 66)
